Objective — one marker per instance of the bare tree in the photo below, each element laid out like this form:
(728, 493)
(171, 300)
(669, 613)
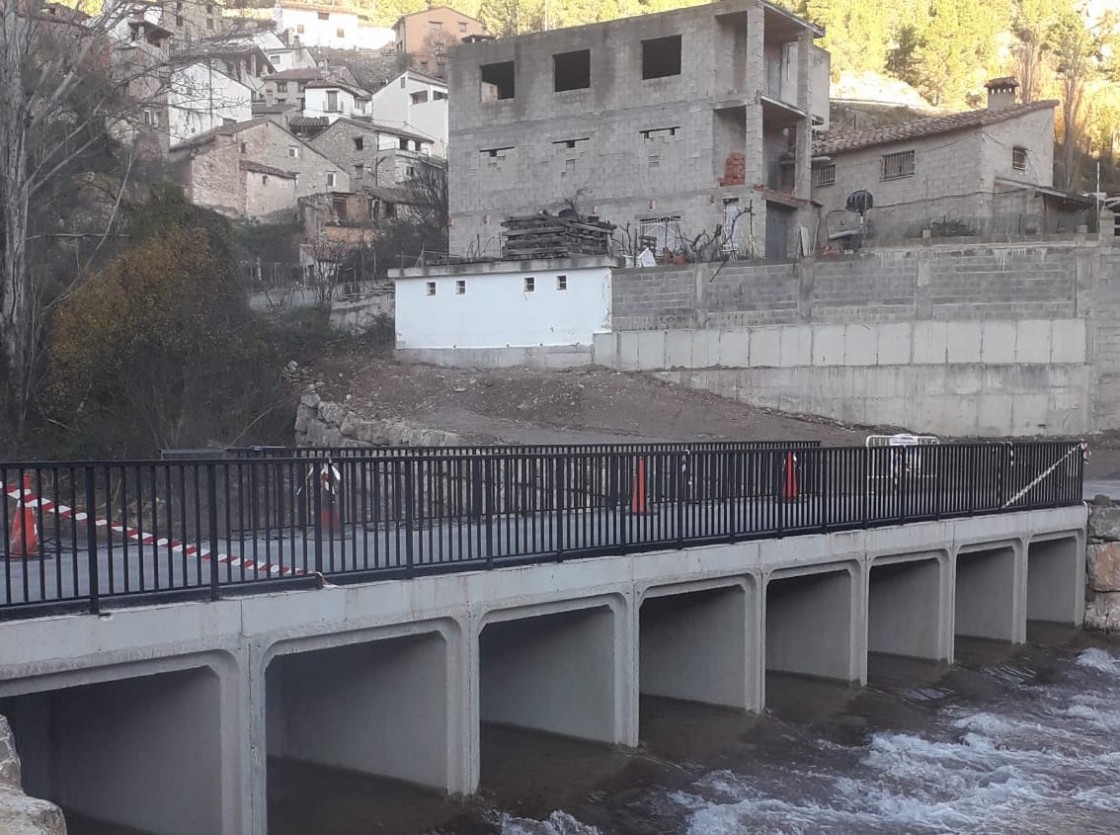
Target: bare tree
(69, 96)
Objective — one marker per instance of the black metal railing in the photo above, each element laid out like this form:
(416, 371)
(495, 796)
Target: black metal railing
(83, 535)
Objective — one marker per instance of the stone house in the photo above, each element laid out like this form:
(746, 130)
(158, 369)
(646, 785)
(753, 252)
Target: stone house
(981, 172)
(671, 126)
(226, 169)
(373, 154)
(427, 36)
(417, 101)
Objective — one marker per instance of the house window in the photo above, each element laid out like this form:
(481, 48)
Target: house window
(654, 160)
(332, 101)
(274, 58)
(281, 86)
(410, 171)
(431, 289)
(1019, 158)
(178, 20)
(264, 179)
(324, 15)
(330, 179)
(660, 233)
(897, 166)
(390, 209)
(435, 26)
(359, 143)
(530, 284)
(460, 287)
(340, 32)
(496, 81)
(359, 169)
(571, 70)
(661, 57)
(299, 28)
(151, 118)
(244, 147)
(561, 282)
(462, 28)
(209, 23)
(403, 144)
(420, 97)
(438, 96)
(824, 175)
(293, 151)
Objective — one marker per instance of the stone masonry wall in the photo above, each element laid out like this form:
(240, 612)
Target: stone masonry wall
(20, 814)
(323, 423)
(1102, 575)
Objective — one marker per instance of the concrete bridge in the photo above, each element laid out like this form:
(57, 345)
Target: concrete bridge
(163, 716)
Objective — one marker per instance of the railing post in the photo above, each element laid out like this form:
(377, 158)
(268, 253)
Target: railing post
(562, 515)
(865, 485)
(212, 524)
(409, 516)
(682, 485)
(316, 514)
(91, 543)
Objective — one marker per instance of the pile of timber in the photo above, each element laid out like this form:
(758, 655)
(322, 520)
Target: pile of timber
(551, 236)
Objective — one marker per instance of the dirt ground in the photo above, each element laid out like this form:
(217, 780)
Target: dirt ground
(586, 405)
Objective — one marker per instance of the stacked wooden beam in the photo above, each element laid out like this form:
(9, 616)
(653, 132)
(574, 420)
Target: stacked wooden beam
(548, 236)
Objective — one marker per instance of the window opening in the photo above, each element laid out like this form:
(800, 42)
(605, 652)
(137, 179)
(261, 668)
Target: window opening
(330, 179)
(654, 133)
(460, 287)
(1019, 158)
(824, 175)
(431, 289)
(570, 143)
(561, 282)
(530, 284)
(660, 234)
(661, 57)
(897, 166)
(497, 81)
(571, 70)
(359, 143)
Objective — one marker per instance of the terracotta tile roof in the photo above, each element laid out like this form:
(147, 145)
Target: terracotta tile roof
(297, 74)
(222, 130)
(837, 142)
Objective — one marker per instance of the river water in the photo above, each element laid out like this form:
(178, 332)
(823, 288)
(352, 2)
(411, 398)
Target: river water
(1009, 740)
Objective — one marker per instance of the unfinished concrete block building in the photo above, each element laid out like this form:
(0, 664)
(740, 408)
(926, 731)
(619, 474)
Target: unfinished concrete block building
(668, 125)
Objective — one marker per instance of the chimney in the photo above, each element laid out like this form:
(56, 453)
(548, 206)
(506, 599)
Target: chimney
(1002, 92)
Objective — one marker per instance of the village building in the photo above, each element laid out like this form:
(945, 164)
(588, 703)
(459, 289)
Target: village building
(335, 100)
(254, 170)
(982, 172)
(427, 36)
(328, 26)
(375, 155)
(673, 126)
(200, 98)
(284, 56)
(416, 101)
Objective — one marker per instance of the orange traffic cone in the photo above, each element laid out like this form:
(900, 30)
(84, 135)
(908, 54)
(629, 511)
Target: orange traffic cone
(639, 502)
(789, 481)
(24, 532)
(329, 517)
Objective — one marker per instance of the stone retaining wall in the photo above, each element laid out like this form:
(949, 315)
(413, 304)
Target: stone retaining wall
(1102, 576)
(20, 814)
(324, 423)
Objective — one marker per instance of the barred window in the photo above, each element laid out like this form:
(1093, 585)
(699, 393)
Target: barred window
(824, 175)
(897, 166)
(1019, 158)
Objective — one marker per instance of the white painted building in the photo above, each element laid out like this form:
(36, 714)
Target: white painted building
(415, 100)
(333, 100)
(201, 98)
(505, 312)
(329, 26)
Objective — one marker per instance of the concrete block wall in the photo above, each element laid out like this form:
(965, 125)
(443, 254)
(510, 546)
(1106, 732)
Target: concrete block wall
(956, 339)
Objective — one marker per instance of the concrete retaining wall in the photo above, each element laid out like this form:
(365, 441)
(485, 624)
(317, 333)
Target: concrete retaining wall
(1102, 564)
(976, 339)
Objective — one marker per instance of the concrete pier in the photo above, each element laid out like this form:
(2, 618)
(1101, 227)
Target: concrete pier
(163, 717)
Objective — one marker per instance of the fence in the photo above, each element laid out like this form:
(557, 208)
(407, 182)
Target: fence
(111, 532)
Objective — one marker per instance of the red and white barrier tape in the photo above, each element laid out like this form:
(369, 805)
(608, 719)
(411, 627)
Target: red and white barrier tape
(26, 498)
